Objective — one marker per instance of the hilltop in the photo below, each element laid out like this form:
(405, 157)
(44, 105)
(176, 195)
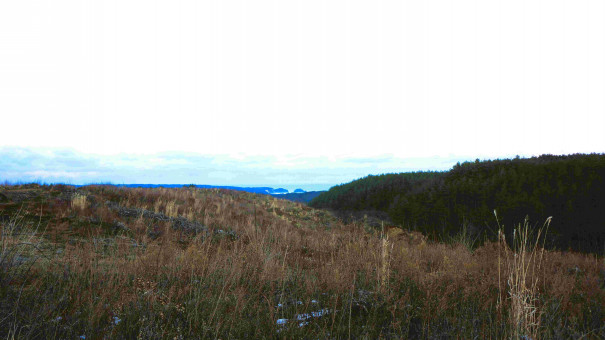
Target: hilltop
(256, 190)
(298, 195)
(114, 262)
(570, 188)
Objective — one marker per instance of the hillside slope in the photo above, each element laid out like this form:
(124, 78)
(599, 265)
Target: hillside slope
(256, 190)
(155, 263)
(571, 189)
(302, 197)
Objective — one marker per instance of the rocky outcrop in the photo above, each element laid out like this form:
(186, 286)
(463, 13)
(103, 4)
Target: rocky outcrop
(178, 223)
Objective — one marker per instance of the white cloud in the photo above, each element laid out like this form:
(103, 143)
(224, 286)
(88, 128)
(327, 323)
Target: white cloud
(310, 173)
(340, 78)
(71, 175)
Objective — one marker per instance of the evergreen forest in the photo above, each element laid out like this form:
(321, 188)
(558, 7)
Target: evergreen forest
(569, 188)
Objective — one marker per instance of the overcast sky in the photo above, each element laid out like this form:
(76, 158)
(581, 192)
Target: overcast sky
(50, 165)
(304, 82)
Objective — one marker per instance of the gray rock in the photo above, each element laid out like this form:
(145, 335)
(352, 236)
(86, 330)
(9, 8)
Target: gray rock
(178, 223)
(120, 227)
(154, 232)
(181, 223)
(94, 220)
(226, 233)
(19, 196)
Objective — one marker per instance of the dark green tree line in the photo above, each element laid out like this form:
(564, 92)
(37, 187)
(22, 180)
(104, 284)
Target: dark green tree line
(569, 188)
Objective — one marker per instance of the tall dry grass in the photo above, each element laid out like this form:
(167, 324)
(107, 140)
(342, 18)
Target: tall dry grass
(520, 266)
(263, 261)
(78, 201)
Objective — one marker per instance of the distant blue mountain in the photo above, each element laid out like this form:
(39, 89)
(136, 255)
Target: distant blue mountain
(298, 195)
(256, 190)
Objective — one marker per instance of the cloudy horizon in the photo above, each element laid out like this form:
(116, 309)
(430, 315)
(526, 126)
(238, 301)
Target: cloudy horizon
(63, 165)
(292, 91)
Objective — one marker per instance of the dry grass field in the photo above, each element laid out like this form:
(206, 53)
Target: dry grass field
(106, 262)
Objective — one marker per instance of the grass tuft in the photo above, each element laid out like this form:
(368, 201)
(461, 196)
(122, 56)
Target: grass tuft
(78, 201)
(257, 267)
(520, 265)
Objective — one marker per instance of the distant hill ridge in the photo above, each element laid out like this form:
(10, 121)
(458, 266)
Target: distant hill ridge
(298, 195)
(569, 188)
(257, 190)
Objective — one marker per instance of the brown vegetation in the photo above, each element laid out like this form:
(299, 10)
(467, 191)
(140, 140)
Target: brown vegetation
(103, 261)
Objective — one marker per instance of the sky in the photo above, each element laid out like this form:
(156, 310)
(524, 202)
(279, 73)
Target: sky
(329, 88)
(52, 165)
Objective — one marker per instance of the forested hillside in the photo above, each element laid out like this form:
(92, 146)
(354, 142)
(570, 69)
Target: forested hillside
(571, 189)
(108, 262)
(302, 197)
